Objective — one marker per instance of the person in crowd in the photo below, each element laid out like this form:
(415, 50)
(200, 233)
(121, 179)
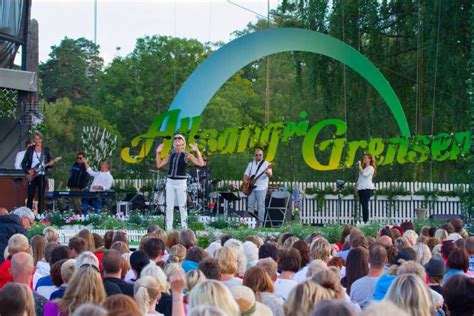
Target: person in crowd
(193, 278)
(90, 310)
(304, 297)
(50, 233)
(411, 237)
(260, 282)
(120, 246)
(147, 292)
(383, 308)
(88, 238)
(412, 295)
(458, 263)
(290, 263)
(21, 154)
(164, 305)
(303, 249)
(270, 267)
(357, 266)
(45, 285)
(42, 266)
(78, 178)
(365, 185)
(77, 245)
(345, 232)
(353, 235)
(268, 250)
(16, 299)
(177, 254)
(176, 185)
(113, 265)
(241, 258)
(315, 267)
(103, 181)
(155, 249)
(250, 252)
(67, 269)
(38, 243)
(21, 269)
(362, 290)
(320, 249)
(16, 244)
(227, 258)
(85, 287)
(121, 304)
(435, 270)
(173, 239)
(17, 222)
(194, 256)
(211, 269)
(138, 261)
(333, 308)
(247, 302)
(423, 253)
(187, 238)
(36, 162)
(458, 293)
(469, 246)
(214, 293)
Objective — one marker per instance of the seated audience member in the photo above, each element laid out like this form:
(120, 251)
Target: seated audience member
(56, 278)
(248, 305)
(435, 270)
(121, 304)
(164, 305)
(314, 267)
(354, 234)
(147, 293)
(16, 244)
(17, 222)
(320, 249)
(211, 269)
(458, 263)
(138, 261)
(250, 252)
(38, 244)
(411, 294)
(385, 241)
(458, 293)
(173, 239)
(241, 258)
(77, 246)
(16, 299)
(303, 249)
(177, 254)
(362, 290)
(68, 267)
(260, 282)
(193, 278)
(155, 249)
(469, 246)
(42, 267)
(22, 270)
(304, 297)
(90, 310)
(45, 285)
(227, 259)
(108, 237)
(423, 253)
(384, 308)
(270, 267)
(50, 234)
(121, 247)
(88, 238)
(290, 262)
(214, 293)
(268, 250)
(113, 265)
(357, 266)
(333, 308)
(85, 286)
(193, 257)
(187, 238)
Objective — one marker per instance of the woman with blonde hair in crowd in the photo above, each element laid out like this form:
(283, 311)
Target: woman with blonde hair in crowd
(171, 269)
(213, 293)
(411, 236)
(50, 234)
(38, 244)
(85, 286)
(321, 249)
(260, 282)
(423, 253)
(89, 238)
(16, 299)
(412, 295)
(177, 254)
(304, 297)
(147, 293)
(227, 259)
(156, 272)
(193, 278)
(241, 257)
(289, 242)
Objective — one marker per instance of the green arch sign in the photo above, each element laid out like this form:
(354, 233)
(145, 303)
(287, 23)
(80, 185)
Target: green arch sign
(211, 74)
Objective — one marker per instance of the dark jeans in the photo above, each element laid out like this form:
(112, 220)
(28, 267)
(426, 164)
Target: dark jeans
(364, 198)
(40, 183)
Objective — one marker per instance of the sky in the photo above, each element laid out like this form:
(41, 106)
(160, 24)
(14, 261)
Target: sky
(121, 22)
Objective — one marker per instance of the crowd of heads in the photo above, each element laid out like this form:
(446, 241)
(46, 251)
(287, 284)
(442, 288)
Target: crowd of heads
(399, 271)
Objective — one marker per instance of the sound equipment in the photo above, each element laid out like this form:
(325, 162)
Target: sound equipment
(13, 188)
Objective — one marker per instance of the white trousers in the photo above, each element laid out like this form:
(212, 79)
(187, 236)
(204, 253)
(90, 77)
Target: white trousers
(176, 191)
(257, 196)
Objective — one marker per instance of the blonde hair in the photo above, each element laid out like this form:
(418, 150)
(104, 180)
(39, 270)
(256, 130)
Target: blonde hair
(177, 253)
(441, 234)
(85, 286)
(410, 293)
(206, 310)
(146, 291)
(412, 267)
(172, 268)
(384, 308)
(303, 297)
(50, 234)
(289, 242)
(423, 253)
(17, 299)
(214, 293)
(67, 270)
(193, 278)
(38, 243)
(156, 272)
(17, 243)
(89, 238)
(241, 257)
(316, 266)
(411, 236)
(321, 249)
(227, 258)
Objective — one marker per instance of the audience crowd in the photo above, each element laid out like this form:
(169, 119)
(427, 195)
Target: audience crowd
(399, 272)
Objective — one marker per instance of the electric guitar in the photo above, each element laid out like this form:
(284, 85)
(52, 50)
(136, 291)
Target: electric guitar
(36, 169)
(249, 186)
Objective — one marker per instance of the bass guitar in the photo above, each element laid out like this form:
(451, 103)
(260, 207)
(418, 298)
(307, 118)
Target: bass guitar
(36, 169)
(249, 186)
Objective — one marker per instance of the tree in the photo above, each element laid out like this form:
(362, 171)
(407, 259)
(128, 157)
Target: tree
(71, 71)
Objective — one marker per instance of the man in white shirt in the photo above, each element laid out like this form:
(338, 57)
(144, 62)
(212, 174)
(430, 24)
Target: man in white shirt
(21, 154)
(103, 181)
(258, 169)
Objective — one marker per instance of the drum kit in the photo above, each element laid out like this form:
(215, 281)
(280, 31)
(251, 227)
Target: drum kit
(198, 191)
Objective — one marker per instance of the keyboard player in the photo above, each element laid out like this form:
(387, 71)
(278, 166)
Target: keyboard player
(103, 181)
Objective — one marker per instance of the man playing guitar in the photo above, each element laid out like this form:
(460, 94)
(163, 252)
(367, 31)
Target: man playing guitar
(259, 170)
(35, 163)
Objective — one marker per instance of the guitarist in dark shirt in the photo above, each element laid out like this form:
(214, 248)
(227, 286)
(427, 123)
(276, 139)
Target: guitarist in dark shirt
(255, 184)
(35, 164)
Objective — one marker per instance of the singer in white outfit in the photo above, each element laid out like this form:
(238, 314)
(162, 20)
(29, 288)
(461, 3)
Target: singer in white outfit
(176, 185)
